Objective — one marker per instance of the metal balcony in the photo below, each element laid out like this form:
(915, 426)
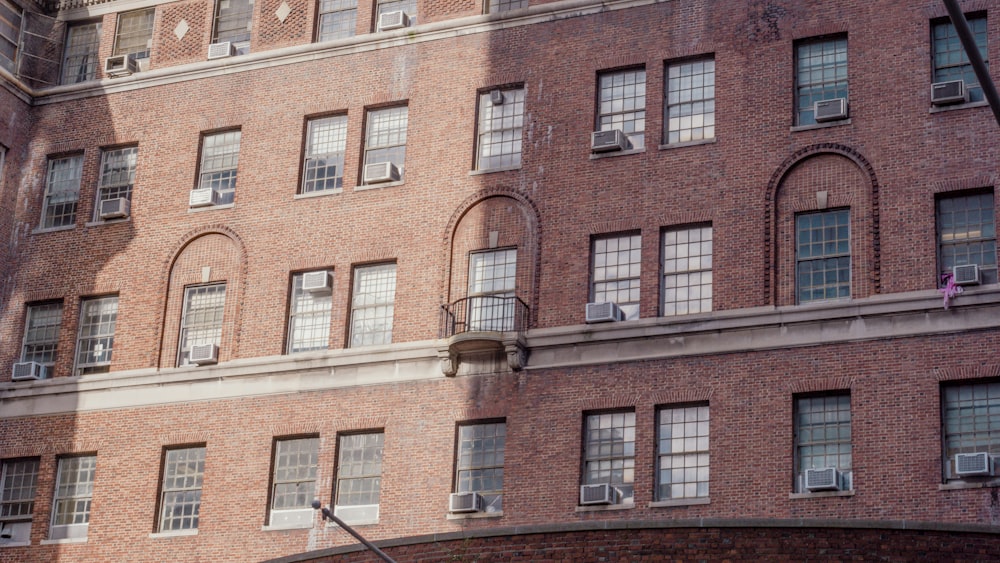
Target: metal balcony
(484, 324)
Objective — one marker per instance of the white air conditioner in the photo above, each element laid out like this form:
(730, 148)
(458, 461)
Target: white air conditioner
(203, 354)
(603, 493)
(221, 50)
(381, 172)
(496, 97)
(823, 479)
(830, 110)
(951, 92)
(204, 197)
(393, 20)
(966, 274)
(317, 282)
(606, 141)
(115, 208)
(120, 65)
(465, 502)
(968, 465)
(24, 371)
(604, 312)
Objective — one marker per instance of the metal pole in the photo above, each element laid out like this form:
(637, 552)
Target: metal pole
(328, 514)
(975, 58)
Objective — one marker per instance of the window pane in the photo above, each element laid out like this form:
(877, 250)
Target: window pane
(96, 339)
(622, 104)
(135, 33)
(499, 139)
(201, 322)
(337, 19)
(967, 234)
(690, 106)
(823, 433)
(180, 501)
(73, 491)
(687, 270)
(683, 461)
(220, 155)
(823, 255)
(41, 333)
(309, 318)
(609, 451)
(949, 59)
(117, 175)
(17, 498)
(407, 6)
(62, 190)
(492, 284)
(296, 463)
(385, 140)
(80, 52)
(616, 269)
(359, 469)
(372, 304)
(821, 74)
(479, 462)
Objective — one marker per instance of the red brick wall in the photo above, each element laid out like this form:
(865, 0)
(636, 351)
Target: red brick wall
(167, 49)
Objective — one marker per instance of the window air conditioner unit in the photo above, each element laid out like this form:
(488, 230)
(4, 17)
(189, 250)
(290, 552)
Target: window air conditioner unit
(203, 197)
(951, 92)
(603, 493)
(221, 50)
(120, 65)
(823, 479)
(966, 274)
(979, 463)
(496, 97)
(115, 208)
(830, 110)
(24, 371)
(203, 354)
(318, 282)
(465, 502)
(381, 172)
(607, 141)
(604, 312)
(393, 20)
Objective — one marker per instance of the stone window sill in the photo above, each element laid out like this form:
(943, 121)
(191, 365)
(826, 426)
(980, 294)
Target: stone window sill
(678, 502)
(822, 494)
(688, 144)
(474, 515)
(838, 123)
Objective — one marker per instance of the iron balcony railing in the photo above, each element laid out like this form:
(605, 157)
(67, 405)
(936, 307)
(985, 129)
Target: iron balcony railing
(485, 313)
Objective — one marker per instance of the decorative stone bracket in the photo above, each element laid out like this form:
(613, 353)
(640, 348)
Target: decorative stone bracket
(510, 344)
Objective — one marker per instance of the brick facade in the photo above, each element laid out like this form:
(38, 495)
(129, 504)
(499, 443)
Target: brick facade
(891, 346)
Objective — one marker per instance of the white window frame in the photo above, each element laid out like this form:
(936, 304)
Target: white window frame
(479, 461)
(359, 467)
(957, 246)
(181, 491)
(621, 103)
(117, 176)
(609, 451)
(615, 271)
(326, 143)
(206, 332)
(953, 70)
(41, 341)
(970, 406)
(687, 270)
(816, 450)
(682, 452)
(838, 256)
(372, 305)
(18, 489)
(293, 482)
(690, 103)
(497, 6)
(135, 30)
(80, 61)
(340, 15)
(409, 7)
(11, 20)
(62, 191)
(492, 288)
(308, 313)
(219, 163)
(71, 499)
(232, 21)
(385, 136)
(807, 90)
(96, 335)
(500, 130)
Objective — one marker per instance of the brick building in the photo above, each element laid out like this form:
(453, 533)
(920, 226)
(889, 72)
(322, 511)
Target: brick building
(527, 280)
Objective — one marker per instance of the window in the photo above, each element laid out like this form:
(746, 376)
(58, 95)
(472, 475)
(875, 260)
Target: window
(385, 6)
(220, 155)
(293, 485)
(967, 233)
(971, 421)
(499, 135)
(117, 175)
(690, 107)
(616, 262)
(479, 462)
(950, 60)
(359, 477)
(682, 452)
(372, 304)
(386, 137)
(609, 451)
(309, 318)
(233, 20)
(337, 19)
(326, 140)
(180, 493)
(62, 190)
(492, 281)
(80, 52)
(10, 34)
(820, 74)
(823, 436)
(135, 33)
(17, 499)
(71, 500)
(96, 340)
(823, 255)
(495, 6)
(41, 334)
(622, 104)
(201, 322)
(687, 270)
